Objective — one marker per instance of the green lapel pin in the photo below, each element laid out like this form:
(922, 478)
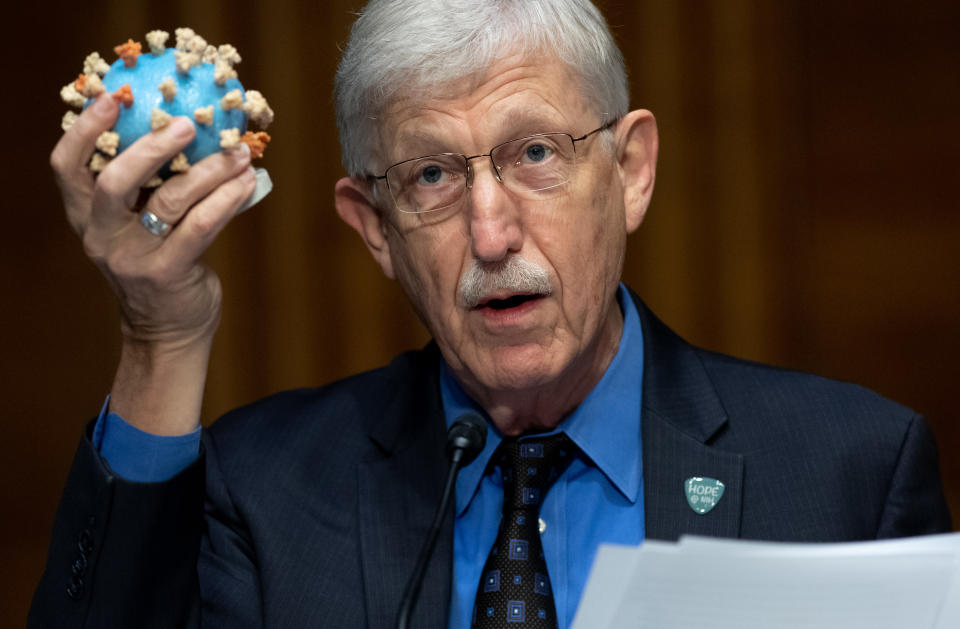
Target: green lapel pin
(703, 493)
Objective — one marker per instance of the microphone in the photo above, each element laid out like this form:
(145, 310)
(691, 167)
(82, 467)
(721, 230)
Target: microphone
(465, 440)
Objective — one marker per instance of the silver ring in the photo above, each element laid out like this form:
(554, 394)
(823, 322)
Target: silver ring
(152, 223)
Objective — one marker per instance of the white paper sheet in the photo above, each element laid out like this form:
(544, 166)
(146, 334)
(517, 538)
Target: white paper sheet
(727, 584)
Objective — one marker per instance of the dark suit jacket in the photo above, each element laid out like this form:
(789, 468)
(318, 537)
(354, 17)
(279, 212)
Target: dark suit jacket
(307, 509)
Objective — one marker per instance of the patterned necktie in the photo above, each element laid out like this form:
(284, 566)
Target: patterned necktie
(514, 589)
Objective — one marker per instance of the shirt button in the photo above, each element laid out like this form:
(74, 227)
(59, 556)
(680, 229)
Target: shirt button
(542, 525)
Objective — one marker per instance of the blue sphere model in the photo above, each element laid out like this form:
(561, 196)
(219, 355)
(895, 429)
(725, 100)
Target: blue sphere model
(194, 79)
(195, 89)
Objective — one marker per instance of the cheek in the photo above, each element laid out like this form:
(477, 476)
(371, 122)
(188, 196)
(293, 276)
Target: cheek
(588, 256)
(609, 231)
(428, 270)
(588, 240)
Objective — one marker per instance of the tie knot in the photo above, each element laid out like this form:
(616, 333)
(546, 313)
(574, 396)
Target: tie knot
(530, 467)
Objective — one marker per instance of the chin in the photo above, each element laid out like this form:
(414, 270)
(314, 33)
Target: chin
(519, 367)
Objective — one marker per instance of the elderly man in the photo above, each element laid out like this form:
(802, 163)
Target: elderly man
(494, 171)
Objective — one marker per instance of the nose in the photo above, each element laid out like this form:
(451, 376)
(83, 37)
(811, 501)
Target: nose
(494, 216)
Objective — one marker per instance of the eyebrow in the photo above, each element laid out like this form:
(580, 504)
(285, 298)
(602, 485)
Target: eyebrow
(420, 142)
(519, 122)
(524, 121)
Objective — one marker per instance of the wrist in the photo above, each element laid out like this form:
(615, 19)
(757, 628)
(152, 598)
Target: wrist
(159, 387)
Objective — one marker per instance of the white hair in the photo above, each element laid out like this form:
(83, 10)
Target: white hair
(409, 48)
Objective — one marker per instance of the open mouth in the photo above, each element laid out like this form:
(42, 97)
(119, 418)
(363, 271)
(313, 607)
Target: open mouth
(506, 303)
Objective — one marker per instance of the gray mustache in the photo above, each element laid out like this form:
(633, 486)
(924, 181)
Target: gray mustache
(513, 274)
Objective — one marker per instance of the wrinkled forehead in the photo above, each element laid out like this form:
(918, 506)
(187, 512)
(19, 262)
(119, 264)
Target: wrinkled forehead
(515, 97)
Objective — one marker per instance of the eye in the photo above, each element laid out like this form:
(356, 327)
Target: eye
(430, 175)
(537, 152)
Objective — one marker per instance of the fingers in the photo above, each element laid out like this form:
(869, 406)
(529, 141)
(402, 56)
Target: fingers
(171, 201)
(119, 184)
(180, 195)
(74, 149)
(206, 219)
(71, 154)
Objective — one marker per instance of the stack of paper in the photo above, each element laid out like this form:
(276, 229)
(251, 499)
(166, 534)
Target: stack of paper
(704, 582)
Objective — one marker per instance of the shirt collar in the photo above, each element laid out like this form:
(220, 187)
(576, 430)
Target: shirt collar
(607, 419)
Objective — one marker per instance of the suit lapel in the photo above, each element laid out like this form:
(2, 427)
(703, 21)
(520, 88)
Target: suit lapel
(668, 461)
(682, 413)
(398, 495)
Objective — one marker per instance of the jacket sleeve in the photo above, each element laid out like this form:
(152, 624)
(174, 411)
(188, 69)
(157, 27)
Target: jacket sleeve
(230, 585)
(915, 503)
(122, 554)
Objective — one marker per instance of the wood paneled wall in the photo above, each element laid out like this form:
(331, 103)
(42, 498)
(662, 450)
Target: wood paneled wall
(805, 215)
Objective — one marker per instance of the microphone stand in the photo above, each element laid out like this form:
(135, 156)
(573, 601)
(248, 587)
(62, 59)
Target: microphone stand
(465, 440)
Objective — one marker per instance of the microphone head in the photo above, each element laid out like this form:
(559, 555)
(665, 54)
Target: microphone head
(467, 434)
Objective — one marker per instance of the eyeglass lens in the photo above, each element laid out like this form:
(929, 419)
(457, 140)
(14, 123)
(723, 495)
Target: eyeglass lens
(534, 164)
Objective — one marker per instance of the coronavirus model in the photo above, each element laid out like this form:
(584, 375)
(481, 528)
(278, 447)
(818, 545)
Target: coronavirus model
(193, 79)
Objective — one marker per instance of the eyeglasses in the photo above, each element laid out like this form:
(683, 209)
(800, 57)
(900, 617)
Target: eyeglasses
(531, 166)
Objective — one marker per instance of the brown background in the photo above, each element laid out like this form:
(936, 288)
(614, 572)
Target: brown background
(805, 215)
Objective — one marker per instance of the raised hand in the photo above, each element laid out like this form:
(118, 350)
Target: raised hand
(169, 300)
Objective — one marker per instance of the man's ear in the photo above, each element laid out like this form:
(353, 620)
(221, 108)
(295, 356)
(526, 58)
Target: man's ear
(352, 198)
(637, 163)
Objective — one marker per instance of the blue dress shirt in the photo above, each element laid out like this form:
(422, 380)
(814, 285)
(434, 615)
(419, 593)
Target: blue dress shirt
(598, 499)
(140, 456)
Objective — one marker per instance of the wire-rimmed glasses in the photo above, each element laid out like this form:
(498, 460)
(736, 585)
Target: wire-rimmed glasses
(530, 166)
